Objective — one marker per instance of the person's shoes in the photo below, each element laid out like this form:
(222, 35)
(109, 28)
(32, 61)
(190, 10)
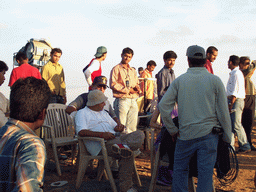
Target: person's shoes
(242, 151)
(253, 148)
(132, 189)
(163, 181)
(123, 150)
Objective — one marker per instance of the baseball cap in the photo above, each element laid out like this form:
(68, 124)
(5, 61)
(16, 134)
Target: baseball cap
(100, 80)
(96, 97)
(196, 52)
(100, 51)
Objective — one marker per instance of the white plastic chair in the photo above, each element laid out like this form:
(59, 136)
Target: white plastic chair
(58, 130)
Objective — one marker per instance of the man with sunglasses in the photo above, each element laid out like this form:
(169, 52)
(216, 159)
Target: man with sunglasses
(99, 83)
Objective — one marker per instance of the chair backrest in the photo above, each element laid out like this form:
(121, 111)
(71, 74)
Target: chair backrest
(61, 122)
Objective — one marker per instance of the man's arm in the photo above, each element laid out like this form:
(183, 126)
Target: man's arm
(75, 105)
(114, 84)
(88, 133)
(31, 156)
(166, 106)
(161, 84)
(63, 86)
(13, 78)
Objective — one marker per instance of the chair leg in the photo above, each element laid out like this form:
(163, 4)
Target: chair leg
(56, 159)
(73, 149)
(101, 168)
(83, 164)
(155, 170)
(110, 176)
(136, 173)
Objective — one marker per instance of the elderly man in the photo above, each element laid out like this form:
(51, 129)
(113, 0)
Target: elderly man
(93, 121)
(202, 105)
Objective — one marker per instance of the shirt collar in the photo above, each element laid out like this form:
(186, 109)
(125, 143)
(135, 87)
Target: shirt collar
(197, 69)
(53, 64)
(124, 67)
(21, 125)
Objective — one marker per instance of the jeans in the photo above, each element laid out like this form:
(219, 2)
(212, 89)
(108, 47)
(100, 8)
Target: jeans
(126, 110)
(236, 118)
(206, 148)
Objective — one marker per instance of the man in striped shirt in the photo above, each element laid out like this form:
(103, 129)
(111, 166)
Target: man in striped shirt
(22, 152)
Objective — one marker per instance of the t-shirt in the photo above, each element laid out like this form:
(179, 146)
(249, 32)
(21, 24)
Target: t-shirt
(97, 121)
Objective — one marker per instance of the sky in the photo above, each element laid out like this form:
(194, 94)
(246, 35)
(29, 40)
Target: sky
(149, 27)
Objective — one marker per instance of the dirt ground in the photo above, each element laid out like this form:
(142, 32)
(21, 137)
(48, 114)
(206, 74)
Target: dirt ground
(244, 181)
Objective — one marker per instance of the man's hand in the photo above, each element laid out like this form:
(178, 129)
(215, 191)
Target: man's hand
(119, 127)
(174, 136)
(107, 135)
(64, 100)
(132, 91)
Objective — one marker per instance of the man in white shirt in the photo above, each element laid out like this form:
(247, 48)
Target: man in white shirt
(236, 96)
(93, 121)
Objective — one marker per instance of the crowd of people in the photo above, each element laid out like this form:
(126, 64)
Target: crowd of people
(190, 106)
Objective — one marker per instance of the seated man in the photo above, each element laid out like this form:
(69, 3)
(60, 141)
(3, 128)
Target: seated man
(99, 83)
(93, 121)
(22, 153)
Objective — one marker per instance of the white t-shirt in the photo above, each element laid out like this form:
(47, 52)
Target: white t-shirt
(95, 66)
(97, 121)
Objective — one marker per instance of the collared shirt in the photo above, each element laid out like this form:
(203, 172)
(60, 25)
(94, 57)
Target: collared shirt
(249, 86)
(208, 66)
(81, 100)
(22, 158)
(202, 105)
(23, 71)
(164, 78)
(235, 85)
(54, 76)
(97, 121)
(4, 108)
(150, 84)
(122, 79)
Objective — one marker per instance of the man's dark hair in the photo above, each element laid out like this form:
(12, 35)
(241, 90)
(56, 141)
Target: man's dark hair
(196, 62)
(235, 60)
(21, 56)
(58, 50)
(3, 66)
(127, 50)
(211, 49)
(243, 59)
(170, 54)
(140, 69)
(28, 98)
(151, 63)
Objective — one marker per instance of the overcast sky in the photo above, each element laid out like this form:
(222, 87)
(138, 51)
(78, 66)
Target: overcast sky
(149, 27)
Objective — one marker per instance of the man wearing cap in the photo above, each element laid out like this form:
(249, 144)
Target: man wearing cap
(93, 121)
(93, 69)
(211, 55)
(99, 83)
(249, 101)
(202, 105)
(125, 86)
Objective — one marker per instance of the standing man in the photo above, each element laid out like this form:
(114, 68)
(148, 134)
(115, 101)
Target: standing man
(93, 69)
(202, 105)
(211, 55)
(236, 96)
(22, 152)
(24, 70)
(147, 73)
(53, 74)
(166, 75)
(249, 102)
(4, 102)
(125, 86)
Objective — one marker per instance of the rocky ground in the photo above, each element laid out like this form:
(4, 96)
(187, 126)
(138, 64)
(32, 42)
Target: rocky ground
(243, 182)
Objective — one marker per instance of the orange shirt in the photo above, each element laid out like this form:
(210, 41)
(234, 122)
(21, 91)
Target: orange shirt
(150, 84)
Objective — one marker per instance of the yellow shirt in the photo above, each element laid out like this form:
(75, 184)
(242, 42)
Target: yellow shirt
(54, 76)
(150, 84)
